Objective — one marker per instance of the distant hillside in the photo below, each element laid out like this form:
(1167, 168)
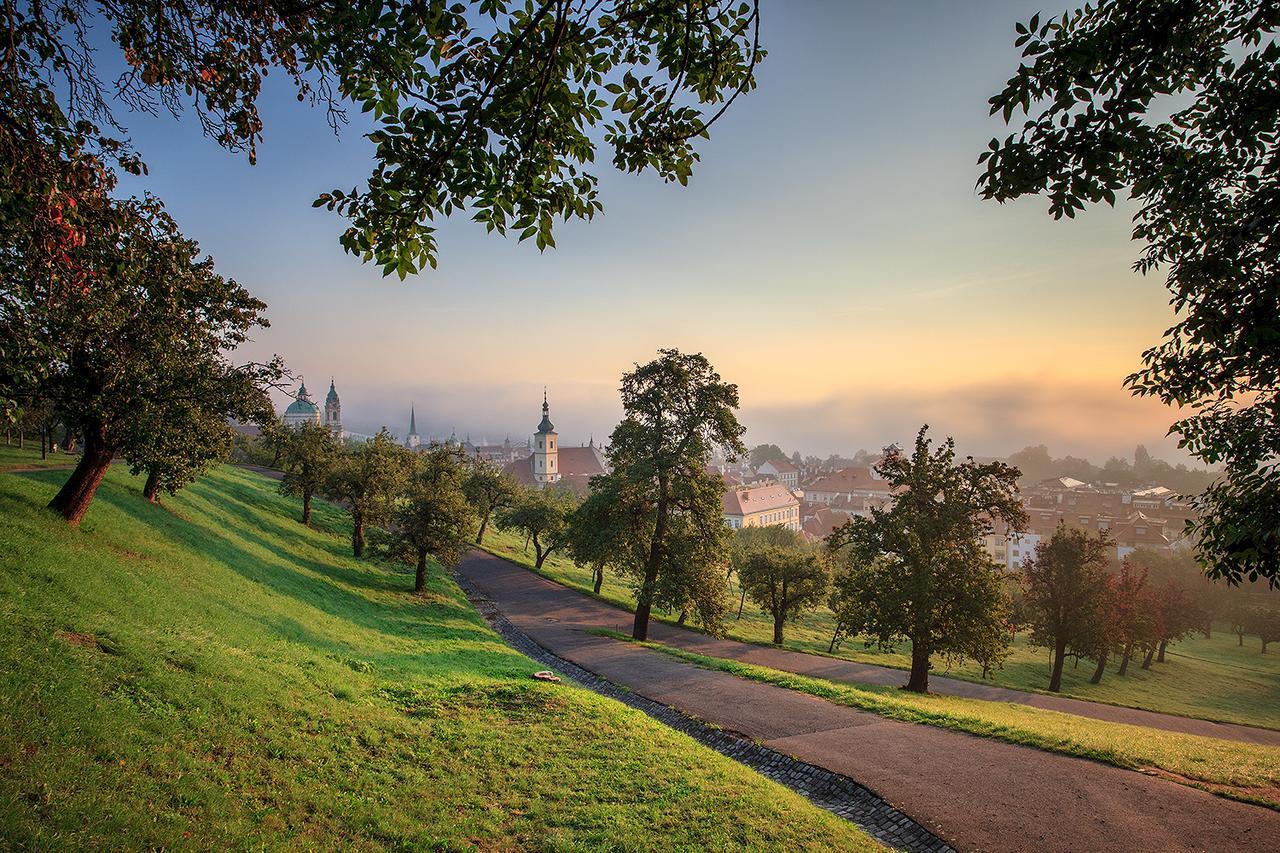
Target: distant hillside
(214, 675)
(1037, 464)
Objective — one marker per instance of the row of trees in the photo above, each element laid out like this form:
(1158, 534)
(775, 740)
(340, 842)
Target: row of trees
(1077, 605)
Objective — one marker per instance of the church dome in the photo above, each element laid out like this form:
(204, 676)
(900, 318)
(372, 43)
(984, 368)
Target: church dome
(302, 407)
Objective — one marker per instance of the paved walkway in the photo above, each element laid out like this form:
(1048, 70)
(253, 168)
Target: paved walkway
(976, 793)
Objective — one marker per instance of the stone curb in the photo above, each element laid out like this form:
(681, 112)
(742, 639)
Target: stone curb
(838, 794)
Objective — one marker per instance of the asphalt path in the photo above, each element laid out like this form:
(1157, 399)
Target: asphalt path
(977, 793)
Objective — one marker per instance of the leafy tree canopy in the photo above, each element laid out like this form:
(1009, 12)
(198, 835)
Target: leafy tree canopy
(487, 106)
(1174, 103)
(923, 573)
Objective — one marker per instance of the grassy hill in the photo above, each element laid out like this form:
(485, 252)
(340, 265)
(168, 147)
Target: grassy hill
(211, 674)
(1211, 679)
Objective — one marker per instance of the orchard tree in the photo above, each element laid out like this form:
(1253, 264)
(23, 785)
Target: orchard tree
(433, 517)
(1065, 586)
(542, 515)
(1264, 623)
(604, 530)
(490, 490)
(1173, 103)
(784, 581)
(927, 578)
(677, 411)
(137, 340)
(367, 480)
(310, 456)
(1179, 616)
(850, 582)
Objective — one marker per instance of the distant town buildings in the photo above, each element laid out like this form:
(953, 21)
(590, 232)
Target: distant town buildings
(782, 471)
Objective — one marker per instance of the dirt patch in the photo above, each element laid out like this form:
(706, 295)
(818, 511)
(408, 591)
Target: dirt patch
(86, 641)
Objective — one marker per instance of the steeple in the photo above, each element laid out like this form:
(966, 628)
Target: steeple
(546, 426)
(412, 440)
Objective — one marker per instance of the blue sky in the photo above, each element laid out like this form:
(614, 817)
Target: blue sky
(830, 256)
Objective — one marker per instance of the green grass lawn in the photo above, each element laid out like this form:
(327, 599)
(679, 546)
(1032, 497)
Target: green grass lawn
(11, 456)
(211, 674)
(1211, 679)
(1242, 771)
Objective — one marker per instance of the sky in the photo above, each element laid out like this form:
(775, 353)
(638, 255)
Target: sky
(830, 256)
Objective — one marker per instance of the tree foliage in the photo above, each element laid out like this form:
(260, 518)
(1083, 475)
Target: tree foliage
(1065, 585)
(311, 454)
(677, 411)
(487, 106)
(367, 480)
(1174, 103)
(433, 517)
(542, 515)
(490, 490)
(923, 575)
(783, 579)
(607, 530)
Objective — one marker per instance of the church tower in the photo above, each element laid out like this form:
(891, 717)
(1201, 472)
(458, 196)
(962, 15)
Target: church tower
(546, 455)
(333, 411)
(412, 440)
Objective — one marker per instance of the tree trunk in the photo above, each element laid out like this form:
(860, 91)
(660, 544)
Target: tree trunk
(484, 524)
(306, 508)
(1124, 660)
(539, 554)
(684, 614)
(644, 600)
(777, 629)
(1101, 668)
(22, 438)
(1146, 661)
(44, 444)
(741, 602)
(919, 680)
(357, 534)
(599, 579)
(1059, 654)
(1164, 644)
(72, 500)
(420, 580)
(1240, 638)
(151, 489)
(834, 636)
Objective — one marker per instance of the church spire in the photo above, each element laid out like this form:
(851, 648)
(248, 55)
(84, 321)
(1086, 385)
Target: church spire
(546, 426)
(413, 422)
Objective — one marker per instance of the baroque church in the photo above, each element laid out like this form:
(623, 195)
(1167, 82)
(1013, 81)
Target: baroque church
(551, 463)
(304, 410)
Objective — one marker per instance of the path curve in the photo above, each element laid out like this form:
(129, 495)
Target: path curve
(976, 793)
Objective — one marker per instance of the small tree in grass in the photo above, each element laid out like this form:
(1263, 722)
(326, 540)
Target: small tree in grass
(490, 490)
(309, 457)
(433, 517)
(367, 480)
(602, 532)
(926, 578)
(1264, 623)
(784, 580)
(1065, 586)
(542, 515)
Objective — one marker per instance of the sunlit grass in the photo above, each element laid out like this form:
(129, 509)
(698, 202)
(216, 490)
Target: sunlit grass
(212, 674)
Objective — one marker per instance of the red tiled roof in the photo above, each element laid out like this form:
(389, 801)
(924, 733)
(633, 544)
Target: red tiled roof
(758, 499)
(849, 480)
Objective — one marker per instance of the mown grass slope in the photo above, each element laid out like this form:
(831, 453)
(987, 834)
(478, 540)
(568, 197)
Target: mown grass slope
(211, 674)
(1211, 678)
